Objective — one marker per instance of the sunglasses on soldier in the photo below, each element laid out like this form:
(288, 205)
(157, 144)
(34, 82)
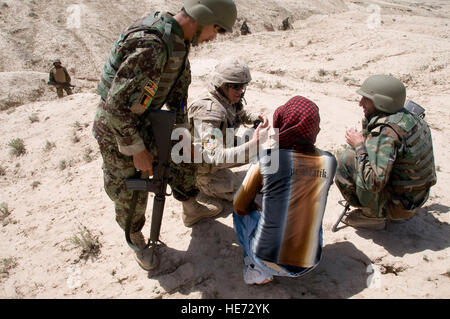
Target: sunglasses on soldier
(219, 29)
(237, 86)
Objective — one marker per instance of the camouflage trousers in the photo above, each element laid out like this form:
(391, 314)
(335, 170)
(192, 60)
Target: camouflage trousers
(221, 184)
(60, 91)
(380, 205)
(117, 167)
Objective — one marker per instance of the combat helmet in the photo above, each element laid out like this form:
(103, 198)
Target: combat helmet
(57, 60)
(387, 93)
(231, 70)
(211, 12)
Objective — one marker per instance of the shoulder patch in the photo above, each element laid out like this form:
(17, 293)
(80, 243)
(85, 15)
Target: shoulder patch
(151, 88)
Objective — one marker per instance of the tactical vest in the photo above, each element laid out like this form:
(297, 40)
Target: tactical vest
(177, 52)
(414, 168)
(59, 75)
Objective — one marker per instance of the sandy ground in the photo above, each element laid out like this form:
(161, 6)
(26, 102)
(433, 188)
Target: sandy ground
(55, 190)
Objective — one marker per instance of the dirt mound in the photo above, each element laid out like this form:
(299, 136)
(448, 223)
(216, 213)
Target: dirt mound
(81, 35)
(18, 88)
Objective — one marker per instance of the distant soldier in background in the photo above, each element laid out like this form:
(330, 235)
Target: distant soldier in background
(60, 78)
(245, 29)
(286, 25)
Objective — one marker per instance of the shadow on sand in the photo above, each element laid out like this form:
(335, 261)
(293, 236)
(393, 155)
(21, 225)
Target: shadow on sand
(212, 265)
(421, 232)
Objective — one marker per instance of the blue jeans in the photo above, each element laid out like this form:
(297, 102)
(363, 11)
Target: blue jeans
(245, 228)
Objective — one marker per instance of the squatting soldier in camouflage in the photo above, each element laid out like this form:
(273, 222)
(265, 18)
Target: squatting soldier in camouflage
(389, 169)
(60, 78)
(148, 68)
(219, 110)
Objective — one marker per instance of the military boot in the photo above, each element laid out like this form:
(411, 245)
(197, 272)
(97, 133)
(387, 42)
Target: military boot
(194, 211)
(356, 218)
(144, 257)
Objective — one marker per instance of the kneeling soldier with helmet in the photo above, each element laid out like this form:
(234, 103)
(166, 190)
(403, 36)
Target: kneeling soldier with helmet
(389, 168)
(222, 109)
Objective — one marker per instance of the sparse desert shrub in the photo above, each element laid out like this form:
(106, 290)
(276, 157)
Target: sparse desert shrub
(75, 138)
(6, 265)
(62, 165)
(279, 85)
(436, 68)
(87, 155)
(48, 146)
(260, 85)
(5, 212)
(17, 147)
(33, 118)
(35, 184)
(322, 72)
(77, 125)
(89, 244)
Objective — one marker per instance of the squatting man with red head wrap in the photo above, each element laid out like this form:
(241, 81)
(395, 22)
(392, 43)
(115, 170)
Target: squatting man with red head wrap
(285, 237)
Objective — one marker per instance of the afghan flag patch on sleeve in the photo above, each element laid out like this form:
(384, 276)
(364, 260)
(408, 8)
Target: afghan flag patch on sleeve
(146, 101)
(148, 93)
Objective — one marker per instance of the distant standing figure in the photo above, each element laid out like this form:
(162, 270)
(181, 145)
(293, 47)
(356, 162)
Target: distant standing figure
(60, 78)
(245, 29)
(286, 25)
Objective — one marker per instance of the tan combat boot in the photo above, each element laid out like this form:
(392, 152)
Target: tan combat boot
(194, 211)
(143, 257)
(356, 218)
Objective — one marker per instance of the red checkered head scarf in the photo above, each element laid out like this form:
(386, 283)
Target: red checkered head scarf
(298, 122)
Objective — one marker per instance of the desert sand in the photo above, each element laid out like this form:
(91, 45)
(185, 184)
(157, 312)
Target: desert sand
(55, 190)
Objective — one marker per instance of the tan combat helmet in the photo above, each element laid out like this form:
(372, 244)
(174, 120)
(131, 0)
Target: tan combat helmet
(212, 12)
(387, 93)
(57, 60)
(231, 70)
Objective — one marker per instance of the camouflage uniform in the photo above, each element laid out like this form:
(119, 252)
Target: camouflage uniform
(390, 175)
(151, 72)
(61, 77)
(216, 112)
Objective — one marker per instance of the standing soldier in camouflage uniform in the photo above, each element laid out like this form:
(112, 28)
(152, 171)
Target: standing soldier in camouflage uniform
(60, 78)
(218, 111)
(148, 68)
(389, 169)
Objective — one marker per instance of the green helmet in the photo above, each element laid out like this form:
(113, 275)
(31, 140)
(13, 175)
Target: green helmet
(387, 93)
(210, 12)
(231, 70)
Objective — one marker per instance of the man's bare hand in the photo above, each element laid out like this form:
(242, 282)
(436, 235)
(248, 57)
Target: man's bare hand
(143, 161)
(261, 133)
(264, 120)
(354, 138)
